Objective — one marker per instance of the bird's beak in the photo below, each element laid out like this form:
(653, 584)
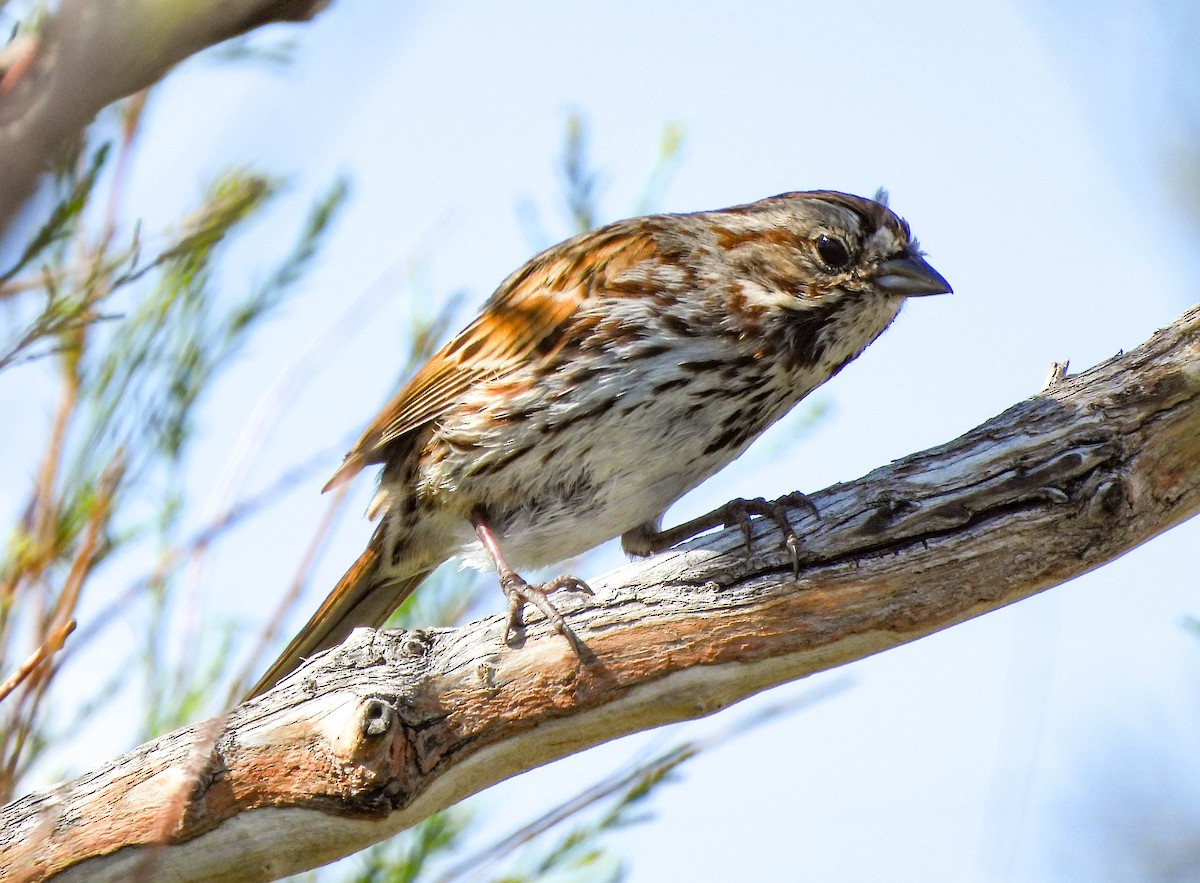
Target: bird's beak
(910, 276)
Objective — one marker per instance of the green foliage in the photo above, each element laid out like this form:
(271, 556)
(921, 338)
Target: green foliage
(140, 390)
(670, 153)
(407, 858)
(62, 223)
(579, 180)
(143, 387)
(66, 307)
(139, 342)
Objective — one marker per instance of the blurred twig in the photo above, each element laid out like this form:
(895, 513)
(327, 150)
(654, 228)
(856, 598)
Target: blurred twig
(631, 787)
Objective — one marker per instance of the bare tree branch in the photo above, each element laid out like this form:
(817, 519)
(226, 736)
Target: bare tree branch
(89, 54)
(373, 736)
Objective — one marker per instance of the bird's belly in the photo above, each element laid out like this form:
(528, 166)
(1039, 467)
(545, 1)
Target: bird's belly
(558, 476)
(564, 519)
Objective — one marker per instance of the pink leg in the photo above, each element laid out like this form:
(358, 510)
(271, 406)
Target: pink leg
(519, 593)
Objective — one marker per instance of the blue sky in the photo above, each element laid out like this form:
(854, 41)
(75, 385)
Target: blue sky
(1038, 743)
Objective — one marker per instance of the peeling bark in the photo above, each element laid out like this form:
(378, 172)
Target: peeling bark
(371, 737)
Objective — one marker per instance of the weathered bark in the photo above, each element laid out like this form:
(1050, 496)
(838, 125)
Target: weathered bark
(375, 735)
(92, 52)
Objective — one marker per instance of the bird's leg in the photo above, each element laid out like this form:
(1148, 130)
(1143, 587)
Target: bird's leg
(519, 592)
(648, 539)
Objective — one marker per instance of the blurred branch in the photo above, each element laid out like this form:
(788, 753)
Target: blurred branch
(308, 559)
(52, 643)
(174, 558)
(86, 55)
(373, 736)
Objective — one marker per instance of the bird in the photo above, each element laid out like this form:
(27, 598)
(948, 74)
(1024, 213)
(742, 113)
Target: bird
(603, 380)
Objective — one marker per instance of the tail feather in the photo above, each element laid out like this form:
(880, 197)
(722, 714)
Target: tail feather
(363, 597)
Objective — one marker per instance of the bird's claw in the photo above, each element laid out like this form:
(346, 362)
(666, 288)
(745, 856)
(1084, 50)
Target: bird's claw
(738, 512)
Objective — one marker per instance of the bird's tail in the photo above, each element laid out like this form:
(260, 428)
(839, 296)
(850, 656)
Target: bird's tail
(364, 596)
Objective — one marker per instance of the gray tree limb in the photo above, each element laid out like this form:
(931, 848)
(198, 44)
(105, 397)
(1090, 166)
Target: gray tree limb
(369, 738)
(92, 52)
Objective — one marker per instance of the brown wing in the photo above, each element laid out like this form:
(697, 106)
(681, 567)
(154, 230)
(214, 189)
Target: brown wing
(526, 319)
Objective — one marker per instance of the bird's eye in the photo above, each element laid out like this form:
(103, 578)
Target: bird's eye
(833, 252)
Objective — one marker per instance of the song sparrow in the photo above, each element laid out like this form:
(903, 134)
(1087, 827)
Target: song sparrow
(606, 378)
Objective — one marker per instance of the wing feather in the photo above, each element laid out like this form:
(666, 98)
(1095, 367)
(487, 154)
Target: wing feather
(527, 319)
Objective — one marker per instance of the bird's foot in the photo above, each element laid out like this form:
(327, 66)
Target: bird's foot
(738, 513)
(519, 593)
